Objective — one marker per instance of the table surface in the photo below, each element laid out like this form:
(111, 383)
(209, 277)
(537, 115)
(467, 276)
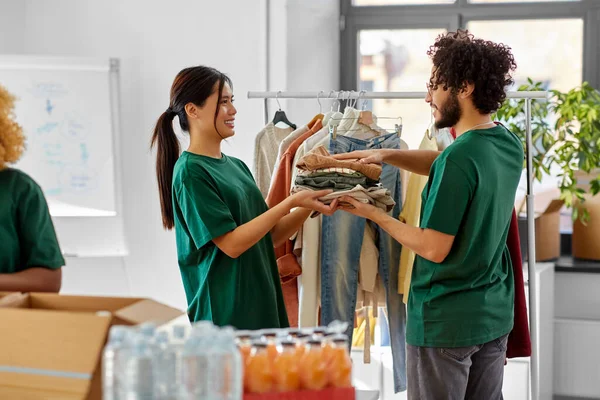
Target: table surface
(571, 264)
(367, 395)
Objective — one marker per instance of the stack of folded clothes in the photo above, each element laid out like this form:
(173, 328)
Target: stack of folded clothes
(320, 171)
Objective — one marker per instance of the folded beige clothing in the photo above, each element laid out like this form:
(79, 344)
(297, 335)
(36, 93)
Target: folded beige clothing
(377, 195)
(319, 158)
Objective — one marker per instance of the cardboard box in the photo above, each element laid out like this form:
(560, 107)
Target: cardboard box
(547, 232)
(585, 238)
(51, 345)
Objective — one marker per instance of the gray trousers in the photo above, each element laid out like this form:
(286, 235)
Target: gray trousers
(463, 373)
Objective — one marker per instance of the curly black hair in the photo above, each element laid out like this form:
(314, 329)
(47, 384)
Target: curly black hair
(459, 59)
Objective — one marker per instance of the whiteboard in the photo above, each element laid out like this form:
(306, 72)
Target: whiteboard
(64, 106)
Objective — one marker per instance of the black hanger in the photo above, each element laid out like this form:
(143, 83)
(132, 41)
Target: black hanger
(281, 117)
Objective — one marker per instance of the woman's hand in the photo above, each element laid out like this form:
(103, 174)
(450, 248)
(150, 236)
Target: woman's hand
(375, 156)
(310, 200)
(360, 209)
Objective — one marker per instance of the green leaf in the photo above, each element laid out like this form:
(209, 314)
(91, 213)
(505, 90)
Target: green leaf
(595, 186)
(585, 217)
(575, 214)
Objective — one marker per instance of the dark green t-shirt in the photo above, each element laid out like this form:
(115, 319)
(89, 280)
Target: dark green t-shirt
(27, 236)
(210, 198)
(468, 299)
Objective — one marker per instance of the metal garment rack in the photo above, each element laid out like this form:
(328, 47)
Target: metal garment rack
(528, 97)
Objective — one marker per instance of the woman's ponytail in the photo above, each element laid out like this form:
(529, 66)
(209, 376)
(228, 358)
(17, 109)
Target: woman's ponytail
(167, 153)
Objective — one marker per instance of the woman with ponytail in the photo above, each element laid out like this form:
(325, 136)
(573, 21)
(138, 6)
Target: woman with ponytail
(224, 230)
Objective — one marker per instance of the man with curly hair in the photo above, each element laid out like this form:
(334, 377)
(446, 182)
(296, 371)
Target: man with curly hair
(460, 308)
(30, 257)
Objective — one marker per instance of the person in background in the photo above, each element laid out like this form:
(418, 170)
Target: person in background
(460, 307)
(30, 257)
(225, 232)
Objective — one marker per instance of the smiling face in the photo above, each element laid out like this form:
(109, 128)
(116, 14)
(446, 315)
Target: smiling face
(223, 124)
(225, 121)
(444, 104)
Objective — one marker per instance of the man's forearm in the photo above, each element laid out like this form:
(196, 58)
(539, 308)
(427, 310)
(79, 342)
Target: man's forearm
(32, 280)
(417, 161)
(407, 235)
(427, 243)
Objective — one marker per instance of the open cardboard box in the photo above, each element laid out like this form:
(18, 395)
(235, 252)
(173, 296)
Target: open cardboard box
(585, 237)
(547, 226)
(51, 345)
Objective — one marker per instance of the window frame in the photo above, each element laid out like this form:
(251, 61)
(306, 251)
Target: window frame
(353, 19)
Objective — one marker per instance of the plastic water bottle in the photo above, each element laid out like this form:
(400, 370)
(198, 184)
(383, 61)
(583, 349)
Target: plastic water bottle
(196, 365)
(179, 334)
(115, 343)
(168, 358)
(138, 371)
(148, 330)
(193, 371)
(226, 374)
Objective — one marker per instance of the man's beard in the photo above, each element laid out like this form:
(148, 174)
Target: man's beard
(450, 113)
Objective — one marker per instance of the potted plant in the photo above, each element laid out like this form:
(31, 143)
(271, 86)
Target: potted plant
(566, 137)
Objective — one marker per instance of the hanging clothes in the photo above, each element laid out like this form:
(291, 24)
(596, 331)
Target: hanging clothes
(266, 146)
(288, 140)
(519, 340)
(287, 263)
(340, 258)
(410, 215)
(444, 138)
(307, 243)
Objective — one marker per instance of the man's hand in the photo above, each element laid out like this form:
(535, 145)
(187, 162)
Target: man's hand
(358, 208)
(310, 200)
(363, 156)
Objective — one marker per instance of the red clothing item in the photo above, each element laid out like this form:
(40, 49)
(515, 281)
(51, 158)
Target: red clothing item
(519, 341)
(287, 263)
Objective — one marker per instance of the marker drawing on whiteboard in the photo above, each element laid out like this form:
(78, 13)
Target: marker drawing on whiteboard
(49, 106)
(47, 128)
(84, 153)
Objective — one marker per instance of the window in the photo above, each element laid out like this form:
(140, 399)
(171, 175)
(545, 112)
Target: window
(399, 63)
(548, 51)
(553, 42)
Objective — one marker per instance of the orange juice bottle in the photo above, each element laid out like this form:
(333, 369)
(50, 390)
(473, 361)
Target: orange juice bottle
(319, 332)
(258, 377)
(292, 333)
(270, 338)
(328, 346)
(313, 370)
(285, 368)
(244, 344)
(339, 366)
(301, 340)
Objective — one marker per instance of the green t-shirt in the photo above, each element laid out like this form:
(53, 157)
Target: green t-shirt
(27, 236)
(210, 198)
(468, 299)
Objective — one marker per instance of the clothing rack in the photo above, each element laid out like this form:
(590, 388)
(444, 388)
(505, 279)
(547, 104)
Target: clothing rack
(528, 97)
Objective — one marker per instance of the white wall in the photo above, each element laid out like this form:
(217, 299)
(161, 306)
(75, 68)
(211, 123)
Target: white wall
(12, 14)
(313, 56)
(154, 40)
(304, 53)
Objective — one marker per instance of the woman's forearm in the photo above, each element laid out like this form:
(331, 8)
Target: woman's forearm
(289, 225)
(237, 241)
